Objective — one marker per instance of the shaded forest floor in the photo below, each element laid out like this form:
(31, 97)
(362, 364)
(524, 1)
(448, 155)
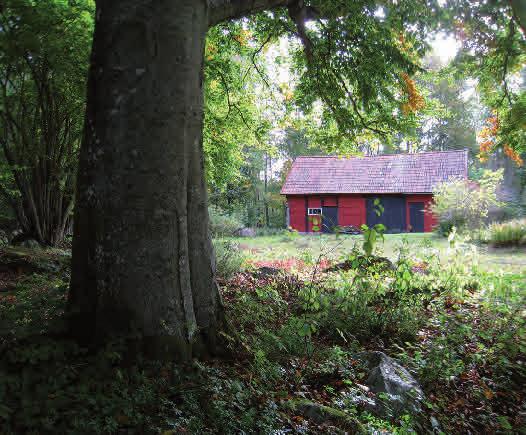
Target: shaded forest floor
(459, 328)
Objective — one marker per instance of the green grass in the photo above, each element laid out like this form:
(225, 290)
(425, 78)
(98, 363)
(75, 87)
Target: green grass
(287, 245)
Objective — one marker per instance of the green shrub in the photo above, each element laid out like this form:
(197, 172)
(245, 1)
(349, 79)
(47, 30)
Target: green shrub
(371, 307)
(269, 231)
(510, 210)
(464, 204)
(368, 302)
(223, 224)
(508, 233)
(229, 258)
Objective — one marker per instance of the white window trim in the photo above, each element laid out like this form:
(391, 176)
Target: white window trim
(310, 211)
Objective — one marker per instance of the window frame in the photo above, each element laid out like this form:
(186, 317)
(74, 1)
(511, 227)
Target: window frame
(310, 213)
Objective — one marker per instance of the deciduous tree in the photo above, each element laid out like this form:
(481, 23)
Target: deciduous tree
(142, 256)
(44, 52)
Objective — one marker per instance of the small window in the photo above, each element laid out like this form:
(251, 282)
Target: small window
(314, 211)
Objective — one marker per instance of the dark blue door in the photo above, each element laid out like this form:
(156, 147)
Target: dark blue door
(416, 217)
(329, 219)
(393, 216)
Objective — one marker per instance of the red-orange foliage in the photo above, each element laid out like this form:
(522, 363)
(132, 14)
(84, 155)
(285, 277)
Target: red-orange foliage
(488, 141)
(415, 101)
(513, 155)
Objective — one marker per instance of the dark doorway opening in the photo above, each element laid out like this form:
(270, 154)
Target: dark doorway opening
(393, 216)
(416, 217)
(329, 219)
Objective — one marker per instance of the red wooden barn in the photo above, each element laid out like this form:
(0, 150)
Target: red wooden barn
(343, 190)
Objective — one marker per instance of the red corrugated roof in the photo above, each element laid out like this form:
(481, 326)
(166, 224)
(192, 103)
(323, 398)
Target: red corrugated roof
(390, 173)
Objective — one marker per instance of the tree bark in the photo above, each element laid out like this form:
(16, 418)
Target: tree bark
(143, 261)
(519, 12)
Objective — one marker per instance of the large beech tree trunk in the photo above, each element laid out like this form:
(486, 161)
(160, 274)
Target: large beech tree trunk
(142, 255)
(143, 262)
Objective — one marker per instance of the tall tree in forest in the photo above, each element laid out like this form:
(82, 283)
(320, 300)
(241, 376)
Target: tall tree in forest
(231, 116)
(44, 53)
(493, 52)
(455, 118)
(142, 256)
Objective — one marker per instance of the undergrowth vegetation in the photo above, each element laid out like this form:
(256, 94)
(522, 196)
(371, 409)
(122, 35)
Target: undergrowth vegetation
(464, 204)
(295, 341)
(511, 233)
(229, 258)
(221, 223)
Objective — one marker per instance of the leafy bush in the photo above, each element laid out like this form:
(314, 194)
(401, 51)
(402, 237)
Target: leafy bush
(509, 211)
(222, 224)
(229, 258)
(479, 348)
(367, 299)
(464, 204)
(508, 233)
(268, 231)
(373, 302)
(371, 235)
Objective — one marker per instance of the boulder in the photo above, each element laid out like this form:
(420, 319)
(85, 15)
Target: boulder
(246, 232)
(20, 260)
(25, 241)
(397, 392)
(29, 244)
(321, 414)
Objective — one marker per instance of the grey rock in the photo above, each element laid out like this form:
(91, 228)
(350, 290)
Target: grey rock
(356, 396)
(321, 414)
(246, 232)
(30, 244)
(16, 233)
(24, 240)
(435, 424)
(313, 411)
(396, 390)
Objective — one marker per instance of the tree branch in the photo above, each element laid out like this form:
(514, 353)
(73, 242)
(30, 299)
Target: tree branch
(504, 81)
(254, 65)
(298, 14)
(222, 10)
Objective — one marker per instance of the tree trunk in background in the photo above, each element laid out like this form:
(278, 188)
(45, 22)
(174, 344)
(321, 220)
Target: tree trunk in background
(519, 11)
(43, 199)
(142, 254)
(265, 203)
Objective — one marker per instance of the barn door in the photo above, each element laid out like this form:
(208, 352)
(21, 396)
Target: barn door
(394, 215)
(416, 217)
(329, 219)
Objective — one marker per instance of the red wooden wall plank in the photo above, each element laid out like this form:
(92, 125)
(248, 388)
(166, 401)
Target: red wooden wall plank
(330, 201)
(297, 212)
(429, 218)
(351, 210)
